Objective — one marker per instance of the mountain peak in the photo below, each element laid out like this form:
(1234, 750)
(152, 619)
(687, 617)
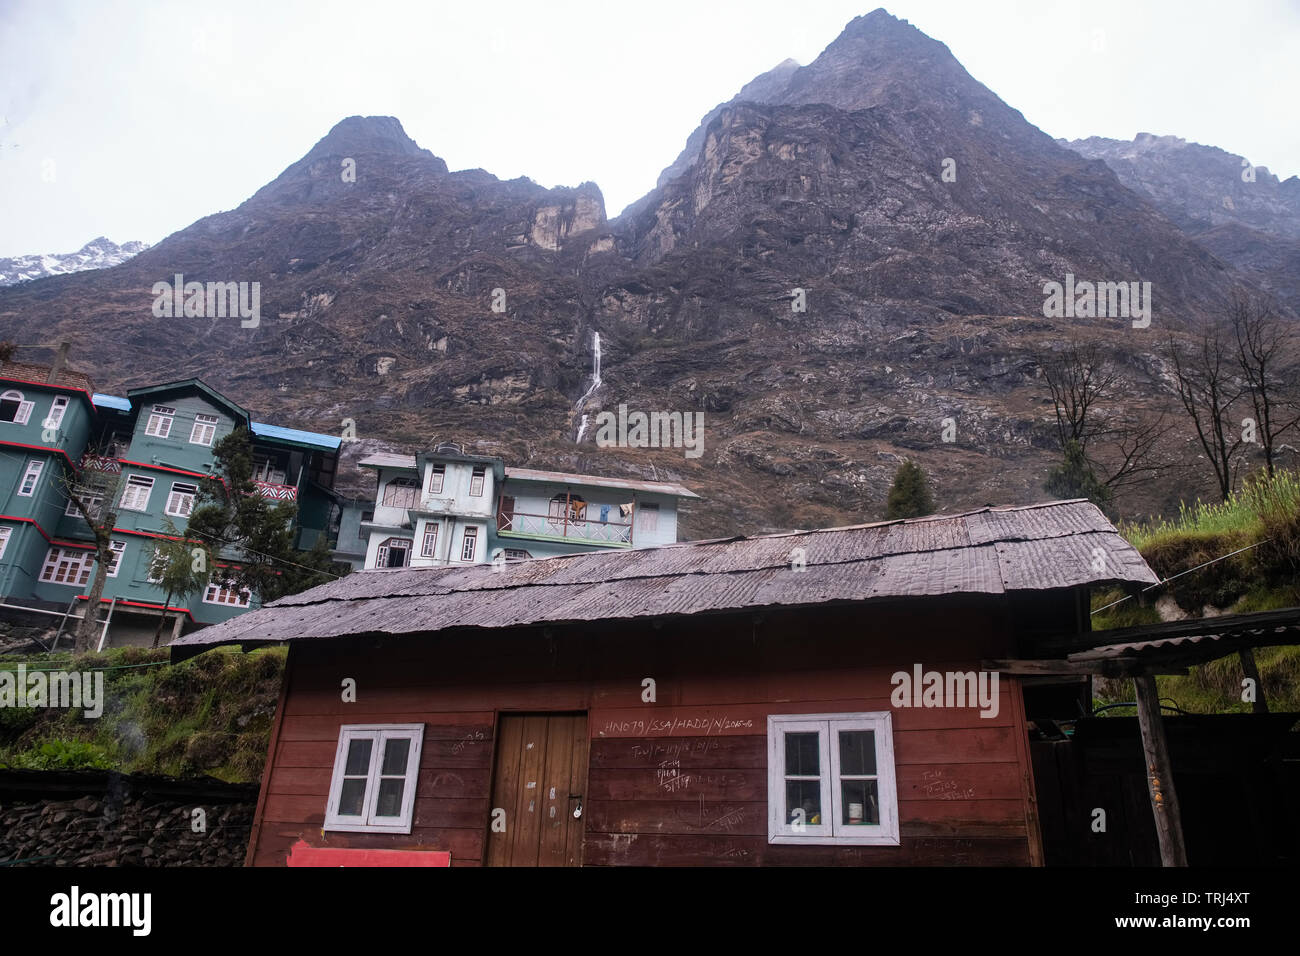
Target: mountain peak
(366, 134)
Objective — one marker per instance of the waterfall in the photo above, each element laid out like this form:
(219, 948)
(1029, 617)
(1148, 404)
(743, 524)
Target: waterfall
(595, 382)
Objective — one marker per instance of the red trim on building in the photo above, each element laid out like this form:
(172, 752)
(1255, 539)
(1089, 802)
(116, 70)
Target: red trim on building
(50, 385)
(44, 534)
(45, 448)
(174, 471)
(154, 607)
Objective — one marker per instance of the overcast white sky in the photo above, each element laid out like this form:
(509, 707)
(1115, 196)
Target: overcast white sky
(158, 113)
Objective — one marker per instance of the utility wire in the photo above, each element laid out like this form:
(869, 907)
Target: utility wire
(1181, 573)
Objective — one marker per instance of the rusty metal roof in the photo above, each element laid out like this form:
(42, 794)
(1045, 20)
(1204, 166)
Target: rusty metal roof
(991, 551)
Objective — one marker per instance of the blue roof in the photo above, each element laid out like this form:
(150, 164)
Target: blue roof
(111, 401)
(263, 430)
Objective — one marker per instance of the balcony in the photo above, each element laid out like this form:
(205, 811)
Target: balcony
(564, 527)
(101, 463)
(275, 492)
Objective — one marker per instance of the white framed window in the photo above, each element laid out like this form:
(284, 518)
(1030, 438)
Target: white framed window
(68, 566)
(160, 421)
(830, 779)
(204, 430)
(476, 481)
(516, 554)
(94, 504)
(400, 493)
(394, 553)
(225, 592)
(264, 469)
(114, 565)
(468, 544)
(157, 565)
(58, 408)
(429, 547)
(375, 769)
(647, 517)
(31, 477)
(437, 474)
(180, 500)
(5, 532)
(136, 495)
(14, 408)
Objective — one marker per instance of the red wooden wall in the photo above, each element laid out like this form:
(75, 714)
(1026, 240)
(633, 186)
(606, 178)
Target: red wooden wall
(964, 784)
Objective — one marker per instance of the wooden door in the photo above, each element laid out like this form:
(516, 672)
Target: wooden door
(541, 773)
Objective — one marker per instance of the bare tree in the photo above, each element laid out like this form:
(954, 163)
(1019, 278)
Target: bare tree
(1265, 345)
(102, 520)
(1205, 375)
(1120, 450)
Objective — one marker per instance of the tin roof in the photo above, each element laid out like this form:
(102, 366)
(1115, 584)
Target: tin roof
(595, 481)
(383, 459)
(990, 551)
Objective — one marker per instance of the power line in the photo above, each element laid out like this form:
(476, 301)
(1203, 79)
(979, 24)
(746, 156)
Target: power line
(1181, 573)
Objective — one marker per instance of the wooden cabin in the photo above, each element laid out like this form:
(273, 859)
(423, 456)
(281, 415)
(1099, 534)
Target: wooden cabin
(802, 698)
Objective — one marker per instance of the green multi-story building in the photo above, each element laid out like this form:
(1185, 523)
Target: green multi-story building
(157, 443)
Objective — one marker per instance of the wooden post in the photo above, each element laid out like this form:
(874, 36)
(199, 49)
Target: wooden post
(1160, 777)
(1247, 657)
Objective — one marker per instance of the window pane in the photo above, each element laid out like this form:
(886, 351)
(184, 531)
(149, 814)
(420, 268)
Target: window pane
(803, 795)
(395, 754)
(859, 802)
(858, 753)
(352, 797)
(358, 763)
(390, 797)
(801, 756)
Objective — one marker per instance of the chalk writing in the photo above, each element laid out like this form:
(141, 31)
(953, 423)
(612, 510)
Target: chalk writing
(467, 740)
(936, 786)
(704, 723)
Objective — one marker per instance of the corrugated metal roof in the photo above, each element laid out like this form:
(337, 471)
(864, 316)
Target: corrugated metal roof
(263, 430)
(991, 551)
(111, 401)
(383, 459)
(633, 484)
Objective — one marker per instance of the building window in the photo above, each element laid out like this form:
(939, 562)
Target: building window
(94, 504)
(373, 787)
(437, 473)
(515, 554)
(394, 553)
(429, 547)
(180, 502)
(400, 493)
(14, 408)
(476, 481)
(136, 495)
(468, 544)
(204, 430)
(264, 470)
(157, 565)
(5, 532)
(58, 409)
(224, 592)
(830, 779)
(160, 421)
(118, 548)
(68, 566)
(647, 518)
(30, 478)
(362, 533)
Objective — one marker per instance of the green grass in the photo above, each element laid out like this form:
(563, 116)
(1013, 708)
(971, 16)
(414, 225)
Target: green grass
(209, 715)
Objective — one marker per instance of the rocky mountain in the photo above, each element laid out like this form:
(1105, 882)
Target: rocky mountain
(845, 267)
(99, 253)
(1242, 213)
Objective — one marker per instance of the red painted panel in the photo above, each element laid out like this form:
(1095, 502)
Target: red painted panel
(300, 854)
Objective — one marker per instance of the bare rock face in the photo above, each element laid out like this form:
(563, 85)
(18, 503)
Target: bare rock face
(844, 267)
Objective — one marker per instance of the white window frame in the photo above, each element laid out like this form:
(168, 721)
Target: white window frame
(6, 530)
(379, 735)
(24, 411)
(381, 553)
(119, 549)
(80, 566)
(173, 494)
(832, 831)
(212, 594)
(429, 545)
(469, 544)
(160, 421)
(58, 408)
(401, 492)
(94, 504)
(129, 493)
(477, 478)
(205, 427)
(437, 477)
(34, 468)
